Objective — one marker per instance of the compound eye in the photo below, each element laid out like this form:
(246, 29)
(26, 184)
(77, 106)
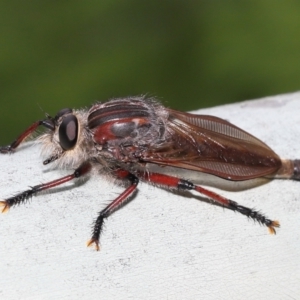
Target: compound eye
(63, 112)
(68, 132)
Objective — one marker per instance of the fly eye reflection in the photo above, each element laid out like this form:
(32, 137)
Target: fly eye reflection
(68, 132)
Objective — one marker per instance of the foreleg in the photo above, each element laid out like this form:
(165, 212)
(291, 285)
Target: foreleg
(24, 196)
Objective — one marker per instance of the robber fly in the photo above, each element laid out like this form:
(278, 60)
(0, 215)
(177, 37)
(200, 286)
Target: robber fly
(125, 137)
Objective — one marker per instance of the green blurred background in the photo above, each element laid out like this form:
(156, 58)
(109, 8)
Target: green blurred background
(190, 54)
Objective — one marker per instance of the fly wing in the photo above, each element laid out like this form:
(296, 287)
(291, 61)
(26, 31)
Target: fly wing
(212, 145)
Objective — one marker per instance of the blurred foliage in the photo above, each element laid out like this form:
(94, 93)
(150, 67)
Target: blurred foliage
(190, 54)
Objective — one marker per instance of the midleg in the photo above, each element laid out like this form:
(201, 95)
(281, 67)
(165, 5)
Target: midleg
(114, 205)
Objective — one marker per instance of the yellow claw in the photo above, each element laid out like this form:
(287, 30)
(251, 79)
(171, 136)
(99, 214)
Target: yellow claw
(93, 241)
(272, 225)
(5, 206)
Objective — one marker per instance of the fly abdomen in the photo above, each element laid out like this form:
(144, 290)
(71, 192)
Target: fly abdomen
(290, 169)
(296, 169)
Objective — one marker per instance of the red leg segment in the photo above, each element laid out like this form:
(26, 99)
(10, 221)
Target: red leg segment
(173, 182)
(107, 211)
(24, 196)
(22, 137)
